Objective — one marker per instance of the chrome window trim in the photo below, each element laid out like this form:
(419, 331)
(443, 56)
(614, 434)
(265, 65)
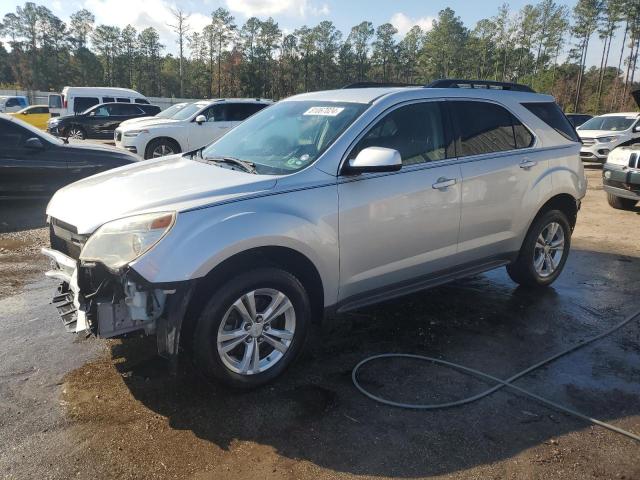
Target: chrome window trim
(446, 161)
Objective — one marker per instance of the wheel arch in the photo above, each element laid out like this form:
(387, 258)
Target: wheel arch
(286, 258)
(162, 137)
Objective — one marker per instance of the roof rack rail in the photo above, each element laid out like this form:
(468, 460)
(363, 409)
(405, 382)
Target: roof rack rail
(490, 84)
(379, 85)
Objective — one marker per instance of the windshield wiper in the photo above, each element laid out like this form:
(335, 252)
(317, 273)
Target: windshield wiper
(248, 167)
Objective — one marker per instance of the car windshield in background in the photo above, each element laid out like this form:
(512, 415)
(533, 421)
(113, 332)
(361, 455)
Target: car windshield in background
(188, 111)
(171, 111)
(614, 124)
(287, 136)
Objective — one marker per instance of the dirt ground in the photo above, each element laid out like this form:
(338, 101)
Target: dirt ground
(82, 408)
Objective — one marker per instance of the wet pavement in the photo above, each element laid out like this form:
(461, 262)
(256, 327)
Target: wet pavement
(83, 408)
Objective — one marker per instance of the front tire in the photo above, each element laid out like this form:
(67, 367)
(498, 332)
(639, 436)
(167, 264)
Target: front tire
(544, 251)
(77, 133)
(252, 328)
(620, 203)
(161, 147)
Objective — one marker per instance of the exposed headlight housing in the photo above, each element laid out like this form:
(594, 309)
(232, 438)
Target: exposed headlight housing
(134, 133)
(610, 139)
(120, 242)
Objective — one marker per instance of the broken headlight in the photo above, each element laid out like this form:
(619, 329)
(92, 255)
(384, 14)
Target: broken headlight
(118, 243)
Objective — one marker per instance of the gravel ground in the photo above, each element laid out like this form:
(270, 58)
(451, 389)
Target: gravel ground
(81, 408)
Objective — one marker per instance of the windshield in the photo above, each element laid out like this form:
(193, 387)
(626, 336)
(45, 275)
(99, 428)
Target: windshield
(613, 124)
(171, 111)
(189, 110)
(287, 136)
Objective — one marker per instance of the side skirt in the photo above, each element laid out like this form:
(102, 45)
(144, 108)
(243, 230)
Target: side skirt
(422, 283)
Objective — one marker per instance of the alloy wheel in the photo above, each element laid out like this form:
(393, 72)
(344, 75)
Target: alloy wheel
(161, 151)
(256, 331)
(76, 134)
(548, 250)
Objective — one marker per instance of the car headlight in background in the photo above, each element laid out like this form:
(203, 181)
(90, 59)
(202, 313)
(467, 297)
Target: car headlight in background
(607, 139)
(134, 133)
(118, 243)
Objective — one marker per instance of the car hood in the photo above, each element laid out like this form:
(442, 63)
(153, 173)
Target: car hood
(154, 122)
(600, 133)
(96, 147)
(172, 183)
(137, 121)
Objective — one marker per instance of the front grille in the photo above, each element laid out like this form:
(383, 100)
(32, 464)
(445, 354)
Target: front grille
(65, 239)
(634, 160)
(587, 142)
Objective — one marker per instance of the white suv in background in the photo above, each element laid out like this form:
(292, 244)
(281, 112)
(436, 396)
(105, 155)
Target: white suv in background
(193, 127)
(602, 134)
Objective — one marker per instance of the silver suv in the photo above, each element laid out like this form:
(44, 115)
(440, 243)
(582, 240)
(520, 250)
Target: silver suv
(322, 203)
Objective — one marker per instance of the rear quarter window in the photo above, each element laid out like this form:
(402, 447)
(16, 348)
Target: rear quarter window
(550, 113)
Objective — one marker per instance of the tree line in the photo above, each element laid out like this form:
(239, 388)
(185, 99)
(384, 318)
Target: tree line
(544, 45)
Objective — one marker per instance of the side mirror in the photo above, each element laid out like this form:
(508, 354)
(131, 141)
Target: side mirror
(34, 143)
(374, 159)
(24, 113)
(636, 129)
(200, 119)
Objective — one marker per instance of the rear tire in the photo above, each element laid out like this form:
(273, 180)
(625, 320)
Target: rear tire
(544, 251)
(161, 147)
(620, 203)
(265, 310)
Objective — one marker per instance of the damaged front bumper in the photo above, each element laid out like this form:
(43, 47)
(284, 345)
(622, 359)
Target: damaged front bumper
(94, 300)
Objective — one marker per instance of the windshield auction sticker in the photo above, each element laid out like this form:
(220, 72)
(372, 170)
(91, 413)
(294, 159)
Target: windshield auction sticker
(324, 111)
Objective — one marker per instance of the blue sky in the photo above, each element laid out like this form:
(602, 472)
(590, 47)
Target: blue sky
(292, 13)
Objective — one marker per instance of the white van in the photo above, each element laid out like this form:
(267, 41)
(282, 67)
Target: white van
(13, 103)
(78, 99)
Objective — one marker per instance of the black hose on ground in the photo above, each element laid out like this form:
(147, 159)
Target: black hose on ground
(500, 382)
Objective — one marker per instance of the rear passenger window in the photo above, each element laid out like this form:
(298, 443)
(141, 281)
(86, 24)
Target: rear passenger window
(237, 112)
(483, 128)
(142, 100)
(550, 113)
(416, 131)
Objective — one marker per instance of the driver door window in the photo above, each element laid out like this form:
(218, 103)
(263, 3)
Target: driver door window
(416, 131)
(100, 112)
(214, 113)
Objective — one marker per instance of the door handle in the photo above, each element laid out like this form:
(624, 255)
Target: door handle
(443, 183)
(527, 164)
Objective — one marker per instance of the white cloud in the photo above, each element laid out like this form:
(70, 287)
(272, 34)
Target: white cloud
(295, 8)
(143, 14)
(404, 23)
